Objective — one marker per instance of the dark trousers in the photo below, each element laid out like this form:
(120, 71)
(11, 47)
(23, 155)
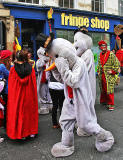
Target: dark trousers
(57, 97)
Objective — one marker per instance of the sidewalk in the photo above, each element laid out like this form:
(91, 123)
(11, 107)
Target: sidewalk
(39, 148)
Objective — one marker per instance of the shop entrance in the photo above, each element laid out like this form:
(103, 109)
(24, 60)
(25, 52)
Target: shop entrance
(29, 30)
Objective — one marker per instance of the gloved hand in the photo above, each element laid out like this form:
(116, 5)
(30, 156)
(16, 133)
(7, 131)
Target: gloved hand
(62, 65)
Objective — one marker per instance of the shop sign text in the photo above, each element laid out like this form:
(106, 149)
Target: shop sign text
(84, 21)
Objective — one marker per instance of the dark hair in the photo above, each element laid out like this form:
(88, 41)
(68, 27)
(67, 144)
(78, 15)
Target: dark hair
(30, 50)
(22, 56)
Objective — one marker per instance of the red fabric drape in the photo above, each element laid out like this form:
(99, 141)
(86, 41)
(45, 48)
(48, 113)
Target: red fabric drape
(2, 101)
(1, 118)
(22, 107)
(119, 55)
(70, 92)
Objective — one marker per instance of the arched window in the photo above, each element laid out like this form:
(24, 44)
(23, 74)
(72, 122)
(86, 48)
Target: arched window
(66, 3)
(97, 5)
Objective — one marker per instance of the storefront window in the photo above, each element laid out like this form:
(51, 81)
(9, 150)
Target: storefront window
(97, 5)
(66, 34)
(30, 1)
(96, 37)
(66, 3)
(120, 6)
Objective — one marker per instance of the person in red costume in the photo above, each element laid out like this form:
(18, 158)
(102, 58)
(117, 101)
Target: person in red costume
(108, 66)
(22, 111)
(119, 55)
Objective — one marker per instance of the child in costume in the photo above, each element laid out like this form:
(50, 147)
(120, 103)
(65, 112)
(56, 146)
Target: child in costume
(22, 106)
(83, 44)
(42, 82)
(72, 70)
(108, 67)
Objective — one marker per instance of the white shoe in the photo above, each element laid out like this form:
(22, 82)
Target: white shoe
(32, 136)
(43, 111)
(1, 139)
(59, 150)
(104, 141)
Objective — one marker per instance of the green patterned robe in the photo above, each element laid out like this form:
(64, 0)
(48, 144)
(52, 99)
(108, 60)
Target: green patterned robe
(111, 64)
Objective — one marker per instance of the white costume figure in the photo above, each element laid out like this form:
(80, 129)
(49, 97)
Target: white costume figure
(42, 87)
(83, 44)
(73, 72)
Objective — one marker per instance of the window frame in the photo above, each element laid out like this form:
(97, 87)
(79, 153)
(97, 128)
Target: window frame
(69, 4)
(99, 7)
(120, 7)
(32, 2)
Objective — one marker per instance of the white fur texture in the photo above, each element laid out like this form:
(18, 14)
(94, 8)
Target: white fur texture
(104, 141)
(82, 42)
(59, 150)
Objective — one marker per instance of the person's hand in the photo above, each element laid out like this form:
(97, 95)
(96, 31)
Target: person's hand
(109, 71)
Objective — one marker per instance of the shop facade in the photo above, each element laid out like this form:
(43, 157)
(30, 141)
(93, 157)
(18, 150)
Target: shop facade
(33, 20)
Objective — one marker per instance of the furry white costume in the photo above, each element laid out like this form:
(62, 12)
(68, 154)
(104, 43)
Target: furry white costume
(73, 72)
(42, 88)
(83, 44)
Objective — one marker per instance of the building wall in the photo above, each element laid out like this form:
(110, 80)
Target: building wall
(9, 23)
(50, 2)
(111, 7)
(83, 4)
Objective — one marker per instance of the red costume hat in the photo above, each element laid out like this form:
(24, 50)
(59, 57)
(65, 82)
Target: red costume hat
(102, 42)
(5, 53)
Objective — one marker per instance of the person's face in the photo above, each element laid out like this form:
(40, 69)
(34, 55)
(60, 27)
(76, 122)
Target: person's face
(29, 55)
(103, 47)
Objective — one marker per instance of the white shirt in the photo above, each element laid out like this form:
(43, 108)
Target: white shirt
(56, 85)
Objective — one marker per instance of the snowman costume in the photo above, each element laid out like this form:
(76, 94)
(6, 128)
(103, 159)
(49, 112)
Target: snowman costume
(42, 87)
(72, 70)
(83, 44)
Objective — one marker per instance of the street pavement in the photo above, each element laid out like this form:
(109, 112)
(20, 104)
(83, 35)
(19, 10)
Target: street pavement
(39, 147)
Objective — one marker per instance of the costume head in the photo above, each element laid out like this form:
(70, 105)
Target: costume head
(60, 48)
(82, 41)
(102, 45)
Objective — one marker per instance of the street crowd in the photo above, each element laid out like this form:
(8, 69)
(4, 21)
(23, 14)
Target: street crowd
(65, 80)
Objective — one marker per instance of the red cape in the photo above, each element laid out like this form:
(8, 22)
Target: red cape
(119, 55)
(22, 107)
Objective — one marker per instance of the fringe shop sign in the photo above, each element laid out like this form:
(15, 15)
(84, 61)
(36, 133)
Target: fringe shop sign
(84, 21)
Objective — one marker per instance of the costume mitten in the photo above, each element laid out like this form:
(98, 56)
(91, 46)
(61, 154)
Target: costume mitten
(59, 150)
(62, 65)
(66, 147)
